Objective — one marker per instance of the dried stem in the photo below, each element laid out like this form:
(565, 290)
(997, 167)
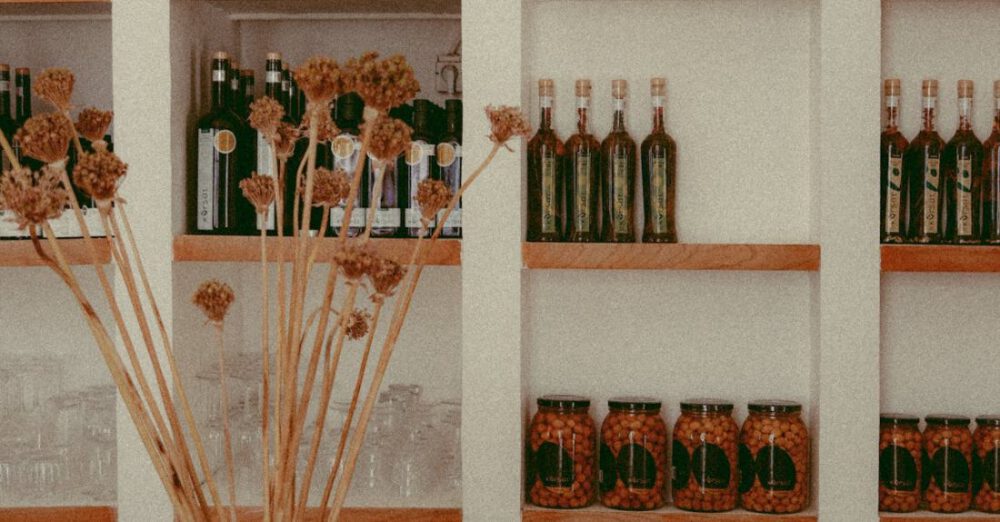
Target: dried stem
(9, 152)
(376, 195)
(227, 438)
(265, 364)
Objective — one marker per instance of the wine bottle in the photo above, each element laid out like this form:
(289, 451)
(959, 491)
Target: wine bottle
(583, 167)
(893, 147)
(235, 90)
(922, 167)
(545, 157)
(220, 207)
(346, 149)
(991, 175)
(265, 163)
(22, 84)
(659, 174)
(286, 88)
(388, 216)
(418, 164)
(247, 87)
(618, 154)
(449, 160)
(961, 168)
(8, 229)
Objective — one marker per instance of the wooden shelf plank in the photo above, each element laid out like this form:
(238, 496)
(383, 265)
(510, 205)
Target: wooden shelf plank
(669, 514)
(927, 516)
(678, 256)
(16, 253)
(47, 514)
(940, 258)
(241, 248)
(357, 514)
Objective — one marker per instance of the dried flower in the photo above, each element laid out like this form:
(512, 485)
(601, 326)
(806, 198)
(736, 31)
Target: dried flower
(56, 86)
(432, 195)
(389, 138)
(385, 275)
(99, 174)
(214, 298)
(330, 187)
(320, 78)
(93, 123)
(259, 190)
(45, 137)
(326, 129)
(34, 197)
(357, 324)
(285, 139)
(382, 84)
(265, 116)
(354, 261)
(506, 122)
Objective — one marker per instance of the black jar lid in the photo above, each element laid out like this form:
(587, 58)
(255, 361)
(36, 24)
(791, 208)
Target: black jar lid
(774, 406)
(706, 406)
(634, 404)
(563, 402)
(899, 419)
(947, 420)
(988, 420)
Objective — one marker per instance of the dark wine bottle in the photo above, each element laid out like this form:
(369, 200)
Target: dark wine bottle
(545, 158)
(265, 164)
(991, 175)
(8, 229)
(922, 164)
(418, 164)
(893, 146)
(583, 173)
(235, 90)
(659, 174)
(618, 153)
(248, 88)
(961, 169)
(449, 160)
(22, 84)
(388, 216)
(346, 148)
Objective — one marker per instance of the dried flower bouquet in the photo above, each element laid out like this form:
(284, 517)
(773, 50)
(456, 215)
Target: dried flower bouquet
(308, 339)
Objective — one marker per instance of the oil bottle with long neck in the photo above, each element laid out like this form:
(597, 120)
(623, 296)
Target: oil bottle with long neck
(546, 154)
(583, 173)
(962, 167)
(892, 226)
(618, 155)
(922, 167)
(659, 174)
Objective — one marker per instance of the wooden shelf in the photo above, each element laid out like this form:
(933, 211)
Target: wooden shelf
(927, 516)
(940, 258)
(20, 252)
(678, 256)
(368, 515)
(447, 252)
(47, 514)
(669, 514)
(53, 8)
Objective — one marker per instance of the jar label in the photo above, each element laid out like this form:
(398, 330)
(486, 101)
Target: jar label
(991, 469)
(963, 199)
(710, 467)
(636, 467)
(549, 193)
(775, 469)
(926, 466)
(978, 470)
(621, 212)
(658, 184)
(582, 192)
(950, 470)
(893, 195)
(608, 472)
(897, 469)
(555, 466)
(681, 465)
(932, 184)
(747, 471)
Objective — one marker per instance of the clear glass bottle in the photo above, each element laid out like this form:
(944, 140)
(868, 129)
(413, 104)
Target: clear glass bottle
(618, 154)
(991, 175)
(961, 168)
(583, 167)
(774, 458)
(922, 171)
(659, 174)
(560, 453)
(706, 456)
(633, 459)
(893, 147)
(948, 468)
(545, 161)
(899, 462)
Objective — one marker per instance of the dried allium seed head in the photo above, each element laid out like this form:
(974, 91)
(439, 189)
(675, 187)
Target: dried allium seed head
(506, 122)
(99, 174)
(45, 137)
(382, 84)
(33, 197)
(357, 324)
(213, 298)
(285, 139)
(385, 275)
(265, 116)
(93, 123)
(56, 86)
(354, 261)
(320, 78)
(330, 187)
(389, 138)
(259, 190)
(327, 130)
(432, 195)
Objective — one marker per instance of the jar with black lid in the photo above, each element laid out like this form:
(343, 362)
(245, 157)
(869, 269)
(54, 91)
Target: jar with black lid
(899, 462)
(774, 458)
(947, 465)
(633, 470)
(560, 453)
(705, 456)
(986, 464)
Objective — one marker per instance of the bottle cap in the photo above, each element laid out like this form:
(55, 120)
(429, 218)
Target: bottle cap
(899, 419)
(274, 56)
(247, 73)
(546, 87)
(22, 71)
(220, 55)
(892, 87)
(235, 65)
(619, 89)
(706, 406)
(634, 404)
(965, 88)
(453, 106)
(583, 88)
(946, 420)
(284, 66)
(769, 406)
(929, 88)
(992, 421)
(658, 87)
(563, 402)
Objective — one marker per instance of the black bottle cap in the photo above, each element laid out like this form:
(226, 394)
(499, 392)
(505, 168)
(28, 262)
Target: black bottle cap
(769, 406)
(992, 421)
(635, 404)
(947, 420)
(453, 106)
(349, 109)
(404, 113)
(706, 406)
(563, 402)
(899, 419)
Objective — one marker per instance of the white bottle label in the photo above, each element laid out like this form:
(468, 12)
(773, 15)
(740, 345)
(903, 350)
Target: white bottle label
(932, 187)
(207, 217)
(454, 220)
(893, 195)
(545, 102)
(413, 218)
(387, 218)
(264, 168)
(583, 102)
(272, 77)
(218, 75)
(337, 217)
(658, 102)
(892, 101)
(549, 193)
(4, 85)
(8, 227)
(963, 199)
(618, 104)
(418, 158)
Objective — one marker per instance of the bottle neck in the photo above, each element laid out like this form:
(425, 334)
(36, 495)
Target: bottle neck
(892, 113)
(453, 125)
(545, 102)
(5, 97)
(583, 114)
(658, 114)
(929, 112)
(619, 115)
(220, 86)
(996, 114)
(23, 98)
(965, 114)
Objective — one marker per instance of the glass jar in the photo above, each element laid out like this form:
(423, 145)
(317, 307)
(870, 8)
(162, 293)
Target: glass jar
(705, 453)
(774, 458)
(560, 453)
(987, 456)
(633, 470)
(899, 447)
(947, 468)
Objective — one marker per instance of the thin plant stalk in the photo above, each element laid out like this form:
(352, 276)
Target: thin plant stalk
(9, 152)
(227, 440)
(376, 193)
(265, 363)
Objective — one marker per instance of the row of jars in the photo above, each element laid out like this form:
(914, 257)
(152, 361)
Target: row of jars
(948, 468)
(714, 465)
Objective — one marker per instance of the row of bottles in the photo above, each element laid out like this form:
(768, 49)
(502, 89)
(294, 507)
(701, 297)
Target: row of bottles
(585, 190)
(229, 150)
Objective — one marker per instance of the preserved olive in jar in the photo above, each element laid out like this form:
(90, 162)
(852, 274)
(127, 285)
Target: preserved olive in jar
(774, 458)
(947, 463)
(900, 445)
(705, 456)
(633, 470)
(986, 469)
(561, 453)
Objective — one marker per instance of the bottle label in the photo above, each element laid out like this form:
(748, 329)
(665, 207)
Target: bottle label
(775, 469)
(545, 102)
(747, 467)
(932, 184)
(418, 158)
(555, 466)
(951, 470)
(965, 106)
(607, 472)
(264, 168)
(4, 85)
(618, 104)
(991, 469)
(658, 102)
(549, 193)
(225, 142)
(346, 150)
(583, 102)
(218, 75)
(286, 85)
(454, 220)
(208, 178)
(636, 467)
(893, 196)
(620, 212)
(357, 217)
(272, 77)
(447, 153)
(710, 466)
(897, 469)
(963, 185)
(582, 190)
(658, 185)
(387, 218)
(413, 217)
(892, 101)
(680, 464)
(930, 103)
(234, 84)
(8, 228)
